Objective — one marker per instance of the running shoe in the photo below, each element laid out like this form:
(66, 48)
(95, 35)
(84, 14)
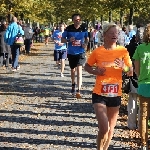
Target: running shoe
(61, 74)
(13, 69)
(78, 94)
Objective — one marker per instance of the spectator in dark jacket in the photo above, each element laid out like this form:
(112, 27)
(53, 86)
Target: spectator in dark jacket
(132, 101)
(5, 50)
(132, 46)
(90, 45)
(36, 34)
(28, 34)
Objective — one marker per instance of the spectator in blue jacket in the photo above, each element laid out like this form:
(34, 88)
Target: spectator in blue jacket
(131, 32)
(96, 38)
(10, 36)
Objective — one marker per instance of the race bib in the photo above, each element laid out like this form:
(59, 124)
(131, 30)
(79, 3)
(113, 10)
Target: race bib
(110, 90)
(59, 36)
(76, 43)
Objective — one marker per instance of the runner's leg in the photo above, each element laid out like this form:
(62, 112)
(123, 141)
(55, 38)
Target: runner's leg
(63, 57)
(112, 113)
(81, 60)
(62, 65)
(73, 64)
(73, 71)
(101, 115)
(79, 77)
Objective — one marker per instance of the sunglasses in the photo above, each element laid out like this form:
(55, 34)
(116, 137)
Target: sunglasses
(77, 19)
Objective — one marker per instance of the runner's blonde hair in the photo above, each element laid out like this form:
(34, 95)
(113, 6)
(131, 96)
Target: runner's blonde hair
(107, 26)
(146, 34)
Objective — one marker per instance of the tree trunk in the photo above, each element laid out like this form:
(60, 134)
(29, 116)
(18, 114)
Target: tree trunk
(101, 20)
(131, 16)
(38, 24)
(50, 24)
(9, 17)
(110, 16)
(16, 14)
(61, 20)
(22, 16)
(121, 18)
(57, 21)
(1, 17)
(87, 23)
(93, 22)
(28, 20)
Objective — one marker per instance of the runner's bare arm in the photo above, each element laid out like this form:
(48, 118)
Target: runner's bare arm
(55, 41)
(89, 69)
(121, 64)
(84, 45)
(137, 67)
(94, 71)
(130, 72)
(63, 40)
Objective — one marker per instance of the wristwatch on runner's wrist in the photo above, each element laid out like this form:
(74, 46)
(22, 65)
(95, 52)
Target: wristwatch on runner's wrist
(68, 40)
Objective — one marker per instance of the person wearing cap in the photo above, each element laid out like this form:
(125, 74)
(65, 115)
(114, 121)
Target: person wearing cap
(107, 63)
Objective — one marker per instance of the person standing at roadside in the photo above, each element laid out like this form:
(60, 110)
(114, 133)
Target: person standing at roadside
(28, 34)
(91, 34)
(132, 106)
(41, 34)
(9, 37)
(36, 34)
(96, 38)
(47, 32)
(139, 33)
(100, 37)
(142, 69)
(131, 32)
(77, 37)
(5, 50)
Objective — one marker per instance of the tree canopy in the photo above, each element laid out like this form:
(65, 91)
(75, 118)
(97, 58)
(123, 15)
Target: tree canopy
(45, 11)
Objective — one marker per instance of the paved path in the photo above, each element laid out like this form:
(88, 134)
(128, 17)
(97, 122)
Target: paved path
(38, 112)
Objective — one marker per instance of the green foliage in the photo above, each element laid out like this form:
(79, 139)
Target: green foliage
(45, 11)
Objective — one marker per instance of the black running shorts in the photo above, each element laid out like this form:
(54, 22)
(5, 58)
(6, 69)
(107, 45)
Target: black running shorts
(108, 101)
(76, 60)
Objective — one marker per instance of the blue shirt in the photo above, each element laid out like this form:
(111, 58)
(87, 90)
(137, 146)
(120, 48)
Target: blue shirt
(96, 38)
(57, 36)
(131, 33)
(127, 40)
(79, 34)
(11, 33)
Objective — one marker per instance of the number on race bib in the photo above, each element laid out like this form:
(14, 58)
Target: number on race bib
(105, 88)
(76, 43)
(110, 90)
